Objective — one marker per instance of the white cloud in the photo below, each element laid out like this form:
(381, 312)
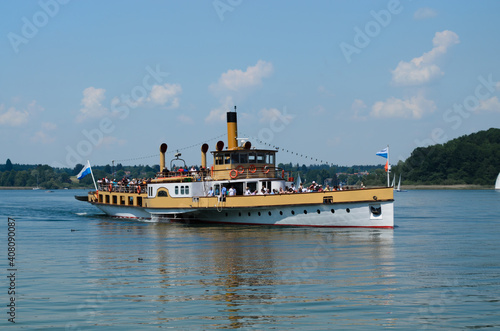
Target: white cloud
(491, 104)
(49, 126)
(219, 114)
(357, 107)
(165, 94)
(424, 13)
(17, 117)
(92, 104)
(13, 117)
(319, 110)
(424, 69)
(414, 107)
(185, 119)
(43, 137)
(236, 80)
(271, 115)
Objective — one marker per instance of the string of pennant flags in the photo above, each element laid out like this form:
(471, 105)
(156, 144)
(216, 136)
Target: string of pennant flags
(295, 153)
(170, 152)
(260, 141)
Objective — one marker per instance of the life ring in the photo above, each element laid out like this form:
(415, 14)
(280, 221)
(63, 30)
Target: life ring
(240, 169)
(110, 187)
(233, 173)
(252, 169)
(266, 169)
(138, 189)
(212, 171)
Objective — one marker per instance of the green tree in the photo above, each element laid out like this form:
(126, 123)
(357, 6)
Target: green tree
(8, 165)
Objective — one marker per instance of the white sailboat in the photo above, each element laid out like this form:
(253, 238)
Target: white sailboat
(393, 180)
(298, 181)
(497, 183)
(37, 187)
(398, 189)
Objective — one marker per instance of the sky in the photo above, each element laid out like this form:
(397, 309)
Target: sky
(323, 81)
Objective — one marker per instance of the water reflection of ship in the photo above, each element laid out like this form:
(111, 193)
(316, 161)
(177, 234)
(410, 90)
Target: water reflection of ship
(249, 271)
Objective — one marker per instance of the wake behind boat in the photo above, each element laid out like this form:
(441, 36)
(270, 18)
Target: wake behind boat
(242, 186)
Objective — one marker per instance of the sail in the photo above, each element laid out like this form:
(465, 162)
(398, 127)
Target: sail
(298, 181)
(399, 183)
(497, 184)
(393, 180)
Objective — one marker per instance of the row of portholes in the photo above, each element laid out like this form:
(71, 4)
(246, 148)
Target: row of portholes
(292, 212)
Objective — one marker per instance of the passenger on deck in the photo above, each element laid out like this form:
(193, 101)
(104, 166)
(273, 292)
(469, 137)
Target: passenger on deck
(210, 192)
(223, 191)
(232, 191)
(282, 191)
(247, 191)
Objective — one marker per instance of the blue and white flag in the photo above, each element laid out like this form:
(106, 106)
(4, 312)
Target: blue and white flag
(384, 152)
(85, 171)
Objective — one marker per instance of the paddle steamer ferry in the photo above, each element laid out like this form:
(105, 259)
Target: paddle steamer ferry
(184, 195)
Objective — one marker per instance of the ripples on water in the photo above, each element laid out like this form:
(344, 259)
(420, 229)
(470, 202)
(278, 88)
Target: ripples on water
(78, 269)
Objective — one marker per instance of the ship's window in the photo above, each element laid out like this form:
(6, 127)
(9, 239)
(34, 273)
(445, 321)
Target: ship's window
(333, 211)
(218, 159)
(281, 213)
(227, 158)
(244, 158)
(249, 213)
(261, 158)
(293, 213)
(182, 189)
(318, 211)
(348, 210)
(176, 190)
(187, 189)
(269, 213)
(239, 214)
(259, 213)
(226, 215)
(251, 158)
(270, 158)
(162, 193)
(235, 158)
(305, 211)
(252, 186)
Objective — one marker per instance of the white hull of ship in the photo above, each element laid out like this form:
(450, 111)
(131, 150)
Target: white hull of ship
(320, 215)
(123, 211)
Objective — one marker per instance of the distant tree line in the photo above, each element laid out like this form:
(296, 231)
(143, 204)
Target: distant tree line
(470, 159)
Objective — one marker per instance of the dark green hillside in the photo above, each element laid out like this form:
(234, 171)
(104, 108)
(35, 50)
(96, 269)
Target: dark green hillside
(470, 159)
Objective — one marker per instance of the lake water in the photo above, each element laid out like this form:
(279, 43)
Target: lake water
(76, 269)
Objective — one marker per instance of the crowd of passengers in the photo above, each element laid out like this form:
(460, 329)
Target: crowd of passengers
(123, 185)
(314, 187)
